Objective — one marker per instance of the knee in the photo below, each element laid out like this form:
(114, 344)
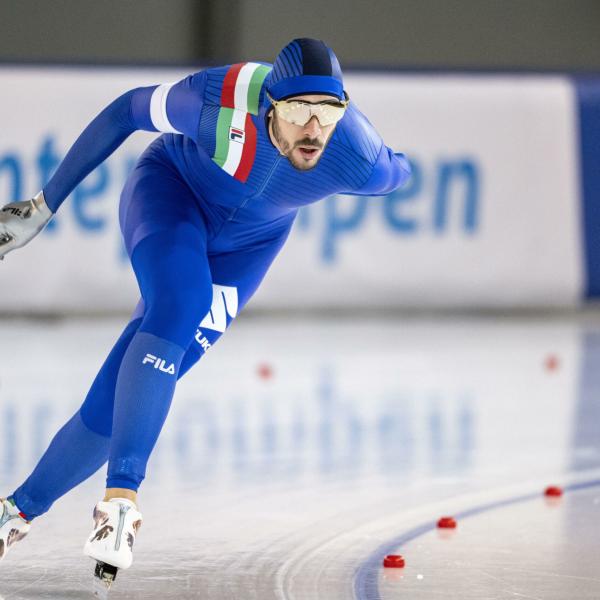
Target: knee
(174, 314)
(189, 305)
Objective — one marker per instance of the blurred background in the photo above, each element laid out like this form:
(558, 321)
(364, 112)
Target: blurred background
(508, 34)
(404, 350)
(494, 103)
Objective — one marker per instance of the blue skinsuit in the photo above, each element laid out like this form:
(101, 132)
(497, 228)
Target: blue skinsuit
(201, 235)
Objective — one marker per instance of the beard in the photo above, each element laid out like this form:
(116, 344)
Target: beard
(287, 149)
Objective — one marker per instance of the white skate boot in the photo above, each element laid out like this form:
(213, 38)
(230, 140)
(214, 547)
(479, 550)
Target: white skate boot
(13, 526)
(110, 544)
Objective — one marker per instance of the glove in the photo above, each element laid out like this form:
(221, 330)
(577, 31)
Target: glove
(20, 222)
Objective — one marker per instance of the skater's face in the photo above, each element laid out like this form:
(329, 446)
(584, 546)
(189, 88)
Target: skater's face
(302, 145)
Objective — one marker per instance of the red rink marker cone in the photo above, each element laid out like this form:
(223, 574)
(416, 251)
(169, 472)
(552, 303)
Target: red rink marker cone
(393, 561)
(447, 523)
(553, 491)
(551, 363)
(265, 371)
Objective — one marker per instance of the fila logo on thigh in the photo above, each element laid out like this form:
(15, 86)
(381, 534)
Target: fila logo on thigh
(224, 305)
(159, 363)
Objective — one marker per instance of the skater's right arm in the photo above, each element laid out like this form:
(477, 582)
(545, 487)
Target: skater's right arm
(169, 108)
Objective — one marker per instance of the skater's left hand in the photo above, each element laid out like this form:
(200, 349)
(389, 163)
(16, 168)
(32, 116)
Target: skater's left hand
(21, 221)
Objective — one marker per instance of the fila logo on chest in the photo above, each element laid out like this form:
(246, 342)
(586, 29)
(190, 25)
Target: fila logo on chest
(237, 135)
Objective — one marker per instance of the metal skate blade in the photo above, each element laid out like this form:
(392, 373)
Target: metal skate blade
(101, 588)
(104, 577)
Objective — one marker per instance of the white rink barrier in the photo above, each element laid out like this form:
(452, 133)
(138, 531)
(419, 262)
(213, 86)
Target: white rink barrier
(491, 217)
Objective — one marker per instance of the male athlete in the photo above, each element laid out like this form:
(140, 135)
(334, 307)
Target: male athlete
(203, 214)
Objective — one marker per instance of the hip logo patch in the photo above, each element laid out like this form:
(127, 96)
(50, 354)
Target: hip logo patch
(224, 305)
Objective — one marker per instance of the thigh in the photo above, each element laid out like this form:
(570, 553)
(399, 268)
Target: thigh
(166, 240)
(173, 273)
(156, 199)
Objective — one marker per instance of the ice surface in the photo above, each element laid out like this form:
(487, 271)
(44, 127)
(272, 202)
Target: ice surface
(290, 487)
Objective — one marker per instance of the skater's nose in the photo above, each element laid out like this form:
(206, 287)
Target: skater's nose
(313, 128)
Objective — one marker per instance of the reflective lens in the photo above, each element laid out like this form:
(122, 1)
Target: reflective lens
(300, 113)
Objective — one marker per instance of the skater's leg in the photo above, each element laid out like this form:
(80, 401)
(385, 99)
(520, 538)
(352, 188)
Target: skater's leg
(81, 446)
(238, 274)
(60, 469)
(174, 277)
(88, 431)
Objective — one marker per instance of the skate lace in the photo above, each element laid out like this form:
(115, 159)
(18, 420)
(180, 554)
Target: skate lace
(123, 510)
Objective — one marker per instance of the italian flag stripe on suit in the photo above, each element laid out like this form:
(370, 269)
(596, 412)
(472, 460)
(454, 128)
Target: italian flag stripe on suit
(235, 151)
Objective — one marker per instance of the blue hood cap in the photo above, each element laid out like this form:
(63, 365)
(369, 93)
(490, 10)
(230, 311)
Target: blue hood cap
(306, 66)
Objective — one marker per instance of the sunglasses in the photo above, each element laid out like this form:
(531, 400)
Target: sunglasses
(300, 113)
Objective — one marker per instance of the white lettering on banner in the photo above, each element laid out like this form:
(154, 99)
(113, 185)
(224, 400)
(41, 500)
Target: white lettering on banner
(159, 364)
(225, 302)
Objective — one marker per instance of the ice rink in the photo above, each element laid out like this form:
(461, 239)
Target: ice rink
(301, 451)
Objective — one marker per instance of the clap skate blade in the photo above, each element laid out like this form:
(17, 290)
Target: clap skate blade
(104, 577)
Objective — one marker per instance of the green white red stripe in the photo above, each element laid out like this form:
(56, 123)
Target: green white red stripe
(235, 147)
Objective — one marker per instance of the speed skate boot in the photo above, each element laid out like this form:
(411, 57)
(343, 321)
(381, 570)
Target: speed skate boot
(13, 526)
(116, 523)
